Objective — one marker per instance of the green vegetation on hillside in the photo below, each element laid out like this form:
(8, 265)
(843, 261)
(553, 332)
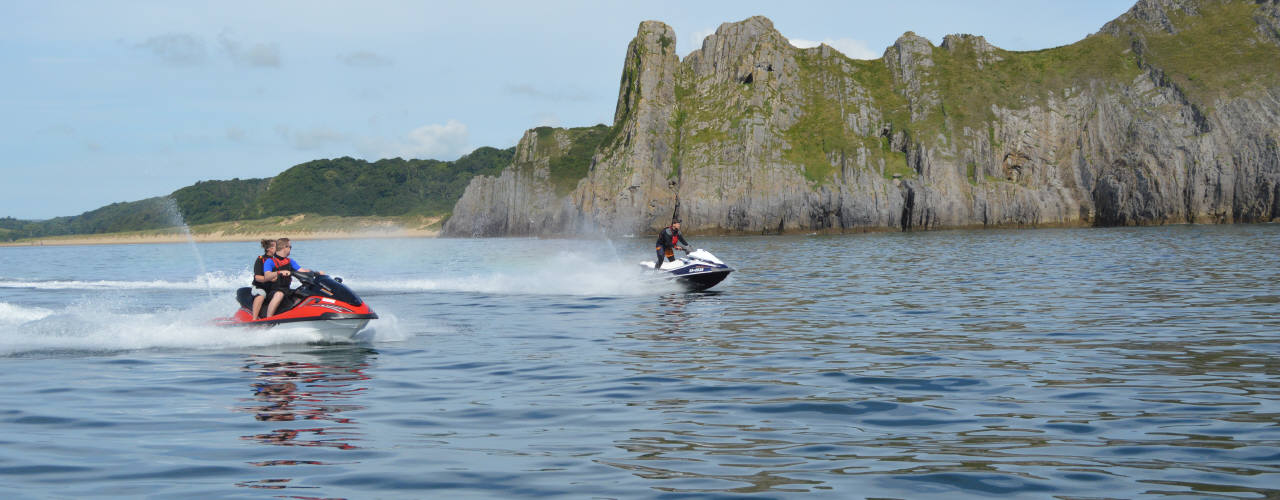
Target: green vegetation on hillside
(569, 153)
(215, 201)
(965, 91)
(820, 134)
(151, 213)
(1021, 79)
(1216, 53)
(340, 187)
(572, 166)
(351, 187)
(821, 137)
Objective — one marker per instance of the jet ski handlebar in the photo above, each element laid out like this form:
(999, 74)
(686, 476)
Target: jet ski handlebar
(310, 276)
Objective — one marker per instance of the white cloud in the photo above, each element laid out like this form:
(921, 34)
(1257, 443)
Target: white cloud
(441, 142)
(258, 55)
(175, 49)
(856, 49)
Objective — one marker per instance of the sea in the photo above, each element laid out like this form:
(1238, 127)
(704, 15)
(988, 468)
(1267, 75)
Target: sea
(1034, 363)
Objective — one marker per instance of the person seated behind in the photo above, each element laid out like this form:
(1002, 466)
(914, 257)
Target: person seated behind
(667, 243)
(279, 271)
(259, 279)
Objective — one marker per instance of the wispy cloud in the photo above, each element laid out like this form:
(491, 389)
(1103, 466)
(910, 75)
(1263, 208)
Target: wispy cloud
(441, 142)
(695, 40)
(547, 120)
(364, 59)
(310, 139)
(259, 55)
(856, 49)
(556, 95)
(175, 49)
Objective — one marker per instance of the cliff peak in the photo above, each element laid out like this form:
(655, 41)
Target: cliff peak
(984, 52)
(751, 25)
(1153, 14)
(743, 51)
(658, 28)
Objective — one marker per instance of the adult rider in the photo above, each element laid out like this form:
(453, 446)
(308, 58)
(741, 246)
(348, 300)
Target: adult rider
(279, 270)
(667, 243)
(260, 280)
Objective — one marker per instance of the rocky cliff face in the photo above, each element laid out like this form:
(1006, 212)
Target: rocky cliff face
(1170, 113)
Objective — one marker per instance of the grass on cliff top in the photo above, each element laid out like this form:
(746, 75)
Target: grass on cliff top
(820, 134)
(711, 116)
(569, 165)
(820, 138)
(1021, 79)
(965, 91)
(1217, 53)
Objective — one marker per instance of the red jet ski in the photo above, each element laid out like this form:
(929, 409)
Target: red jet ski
(321, 304)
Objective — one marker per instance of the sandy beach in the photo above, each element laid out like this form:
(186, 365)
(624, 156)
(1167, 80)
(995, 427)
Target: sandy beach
(126, 239)
(298, 227)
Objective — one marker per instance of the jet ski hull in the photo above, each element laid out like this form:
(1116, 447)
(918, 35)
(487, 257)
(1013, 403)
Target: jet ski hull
(322, 307)
(697, 271)
(326, 326)
(697, 282)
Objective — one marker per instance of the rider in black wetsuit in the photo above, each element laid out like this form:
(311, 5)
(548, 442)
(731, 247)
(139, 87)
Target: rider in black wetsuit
(259, 280)
(667, 243)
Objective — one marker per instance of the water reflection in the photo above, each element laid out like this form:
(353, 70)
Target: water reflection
(317, 387)
(1026, 377)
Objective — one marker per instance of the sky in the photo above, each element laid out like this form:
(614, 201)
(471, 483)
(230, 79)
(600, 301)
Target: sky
(106, 102)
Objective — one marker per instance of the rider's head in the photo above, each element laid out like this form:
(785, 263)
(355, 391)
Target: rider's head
(268, 246)
(282, 247)
(675, 224)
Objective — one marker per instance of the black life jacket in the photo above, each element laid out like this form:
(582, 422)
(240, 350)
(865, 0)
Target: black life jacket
(258, 265)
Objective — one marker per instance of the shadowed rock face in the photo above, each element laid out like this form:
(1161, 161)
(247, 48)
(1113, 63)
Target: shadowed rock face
(1169, 114)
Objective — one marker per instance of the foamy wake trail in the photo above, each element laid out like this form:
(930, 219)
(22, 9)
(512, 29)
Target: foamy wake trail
(98, 326)
(16, 315)
(209, 281)
(567, 273)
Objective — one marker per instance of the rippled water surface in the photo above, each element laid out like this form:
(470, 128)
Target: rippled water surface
(1080, 363)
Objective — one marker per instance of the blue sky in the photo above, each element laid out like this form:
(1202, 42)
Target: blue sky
(120, 101)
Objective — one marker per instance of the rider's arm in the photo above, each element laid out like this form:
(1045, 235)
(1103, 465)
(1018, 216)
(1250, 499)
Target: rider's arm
(269, 270)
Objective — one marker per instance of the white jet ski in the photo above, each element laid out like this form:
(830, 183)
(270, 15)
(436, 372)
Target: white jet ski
(697, 270)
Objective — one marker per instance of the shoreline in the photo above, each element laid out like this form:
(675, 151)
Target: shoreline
(216, 237)
(298, 227)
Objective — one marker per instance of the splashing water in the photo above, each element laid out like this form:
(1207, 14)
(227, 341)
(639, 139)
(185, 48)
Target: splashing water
(106, 325)
(566, 273)
(209, 281)
(175, 214)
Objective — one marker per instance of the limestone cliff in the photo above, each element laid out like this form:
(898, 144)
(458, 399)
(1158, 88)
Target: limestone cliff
(1170, 113)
